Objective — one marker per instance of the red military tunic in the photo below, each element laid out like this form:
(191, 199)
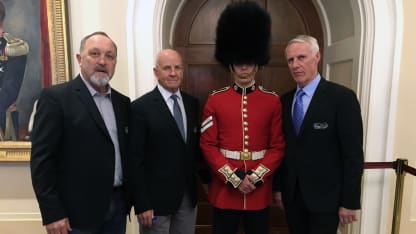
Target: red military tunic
(242, 120)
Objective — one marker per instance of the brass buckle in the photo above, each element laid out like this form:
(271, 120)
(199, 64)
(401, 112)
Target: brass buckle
(245, 155)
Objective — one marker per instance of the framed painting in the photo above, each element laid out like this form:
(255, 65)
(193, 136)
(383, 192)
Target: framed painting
(36, 32)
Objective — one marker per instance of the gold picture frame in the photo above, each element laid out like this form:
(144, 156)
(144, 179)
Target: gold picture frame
(54, 14)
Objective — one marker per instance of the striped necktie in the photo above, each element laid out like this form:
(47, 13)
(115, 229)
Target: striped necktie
(177, 115)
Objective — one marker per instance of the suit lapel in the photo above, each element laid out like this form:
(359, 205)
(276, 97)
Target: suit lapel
(314, 105)
(164, 111)
(85, 97)
(119, 112)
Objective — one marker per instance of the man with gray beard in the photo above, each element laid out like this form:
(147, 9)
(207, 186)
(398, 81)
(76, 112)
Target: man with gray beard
(79, 147)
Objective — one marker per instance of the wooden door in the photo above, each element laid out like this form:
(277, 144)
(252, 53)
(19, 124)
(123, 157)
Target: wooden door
(194, 38)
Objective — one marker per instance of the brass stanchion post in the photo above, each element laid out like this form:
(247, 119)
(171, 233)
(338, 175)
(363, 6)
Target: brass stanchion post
(398, 197)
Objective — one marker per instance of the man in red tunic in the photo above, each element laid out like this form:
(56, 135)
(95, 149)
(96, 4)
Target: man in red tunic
(241, 132)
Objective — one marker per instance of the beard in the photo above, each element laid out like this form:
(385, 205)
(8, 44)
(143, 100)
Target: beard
(100, 81)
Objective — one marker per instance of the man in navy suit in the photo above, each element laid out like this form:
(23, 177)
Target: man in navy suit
(164, 139)
(79, 145)
(319, 182)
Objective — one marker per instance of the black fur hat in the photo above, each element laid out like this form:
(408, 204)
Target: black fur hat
(243, 34)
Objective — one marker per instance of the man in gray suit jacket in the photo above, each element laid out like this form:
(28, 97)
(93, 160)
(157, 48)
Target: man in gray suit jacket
(79, 147)
(164, 143)
(319, 182)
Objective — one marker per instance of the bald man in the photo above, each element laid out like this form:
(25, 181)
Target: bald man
(164, 138)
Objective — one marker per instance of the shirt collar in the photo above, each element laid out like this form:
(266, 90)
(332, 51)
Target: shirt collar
(310, 88)
(166, 94)
(92, 91)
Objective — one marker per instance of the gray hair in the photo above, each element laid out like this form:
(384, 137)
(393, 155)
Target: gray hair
(306, 39)
(84, 40)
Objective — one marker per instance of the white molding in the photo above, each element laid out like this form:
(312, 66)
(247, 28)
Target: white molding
(381, 62)
(15, 216)
(175, 18)
(19, 210)
(158, 20)
(372, 181)
(140, 34)
(131, 60)
(326, 31)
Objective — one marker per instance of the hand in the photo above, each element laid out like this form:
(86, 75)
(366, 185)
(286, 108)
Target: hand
(146, 218)
(277, 196)
(347, 216)
(59, 227)
(252, 178)
(246, 186)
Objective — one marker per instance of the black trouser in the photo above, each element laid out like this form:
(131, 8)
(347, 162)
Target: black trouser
(254, 221)
(115, 220)
(303, 221)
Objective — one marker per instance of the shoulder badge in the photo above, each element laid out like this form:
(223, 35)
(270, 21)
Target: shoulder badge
(261, 88)
(15, 46)
(220, 90)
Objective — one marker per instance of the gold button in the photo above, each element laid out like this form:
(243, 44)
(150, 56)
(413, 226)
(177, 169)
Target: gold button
(245, 123)
(246, 137)
(244, 102)
(244, 109)
(245, 115)
(245, 142)
(245, 150)
(245, 97)
(246, 129)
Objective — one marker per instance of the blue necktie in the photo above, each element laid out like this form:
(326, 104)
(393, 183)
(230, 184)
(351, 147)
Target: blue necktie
(297, 116)
(177, 114)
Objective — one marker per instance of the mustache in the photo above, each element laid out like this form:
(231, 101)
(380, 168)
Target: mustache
(101, 69)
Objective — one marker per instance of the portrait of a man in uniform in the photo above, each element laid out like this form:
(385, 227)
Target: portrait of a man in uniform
(13, 56)
(20, 66)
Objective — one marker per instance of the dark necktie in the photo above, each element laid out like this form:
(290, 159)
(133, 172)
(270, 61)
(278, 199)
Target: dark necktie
(177, 114)
(297, 117)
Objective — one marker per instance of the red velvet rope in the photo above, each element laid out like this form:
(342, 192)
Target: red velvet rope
(384, 165)
(378, 165)
(409, 169)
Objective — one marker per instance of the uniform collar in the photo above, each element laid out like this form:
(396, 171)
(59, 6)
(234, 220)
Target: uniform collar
(241, 90)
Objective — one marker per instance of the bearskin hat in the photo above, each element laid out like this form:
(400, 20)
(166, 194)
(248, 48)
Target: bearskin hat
(243, 34)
